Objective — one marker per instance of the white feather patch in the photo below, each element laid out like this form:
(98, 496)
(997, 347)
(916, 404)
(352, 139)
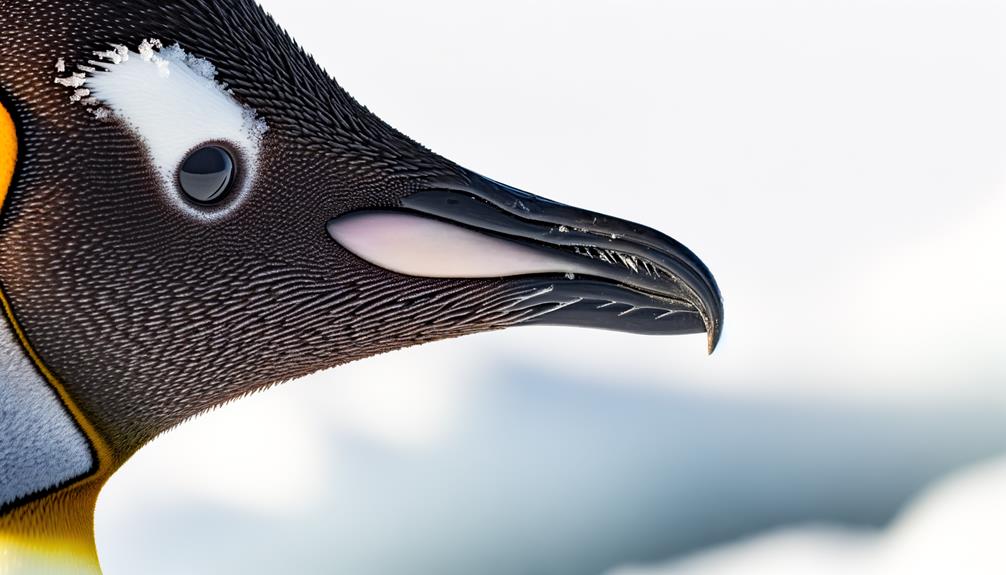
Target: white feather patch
(174, 104)
(40, 445)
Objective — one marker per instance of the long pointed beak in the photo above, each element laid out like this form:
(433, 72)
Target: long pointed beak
(593, 270)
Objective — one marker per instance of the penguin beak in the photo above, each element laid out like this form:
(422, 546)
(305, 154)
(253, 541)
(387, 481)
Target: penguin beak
(582, 268)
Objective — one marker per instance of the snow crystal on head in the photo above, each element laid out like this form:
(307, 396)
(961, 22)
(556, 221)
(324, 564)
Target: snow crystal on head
(173, 103)
(147, 48)
(154, 52)
(204, 68)
(117, 55)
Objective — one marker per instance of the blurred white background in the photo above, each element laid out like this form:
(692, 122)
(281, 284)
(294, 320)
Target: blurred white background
(839, 165)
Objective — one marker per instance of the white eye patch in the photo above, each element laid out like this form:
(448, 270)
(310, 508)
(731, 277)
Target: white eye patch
(174, 104)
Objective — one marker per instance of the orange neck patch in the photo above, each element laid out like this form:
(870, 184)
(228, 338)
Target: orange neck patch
(8, 151)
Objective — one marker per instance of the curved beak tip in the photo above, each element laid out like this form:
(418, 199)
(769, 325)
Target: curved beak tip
(714, 321)
(714, 337)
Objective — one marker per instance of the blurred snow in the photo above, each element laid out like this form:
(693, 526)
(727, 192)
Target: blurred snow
(956, 527)
(839, 165)
(538, 473)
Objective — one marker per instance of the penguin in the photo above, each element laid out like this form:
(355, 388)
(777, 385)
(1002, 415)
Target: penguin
(194, 210)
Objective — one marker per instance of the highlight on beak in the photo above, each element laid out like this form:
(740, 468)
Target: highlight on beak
(591, 270)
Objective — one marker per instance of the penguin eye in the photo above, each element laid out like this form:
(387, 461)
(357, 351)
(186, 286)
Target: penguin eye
(206, 174)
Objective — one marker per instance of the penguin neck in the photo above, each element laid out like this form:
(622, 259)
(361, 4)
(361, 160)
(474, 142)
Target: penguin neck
(50, 475)
(49, 469)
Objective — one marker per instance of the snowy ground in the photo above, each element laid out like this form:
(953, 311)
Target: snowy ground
(526, 471)
(956, 527)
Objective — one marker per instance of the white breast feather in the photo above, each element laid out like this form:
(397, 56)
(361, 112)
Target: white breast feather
(40, 445)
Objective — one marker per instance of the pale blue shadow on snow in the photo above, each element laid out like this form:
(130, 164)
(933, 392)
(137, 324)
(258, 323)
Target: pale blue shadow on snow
(552, 476)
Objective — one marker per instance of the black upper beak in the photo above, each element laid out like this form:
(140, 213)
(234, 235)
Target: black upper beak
(618, 275)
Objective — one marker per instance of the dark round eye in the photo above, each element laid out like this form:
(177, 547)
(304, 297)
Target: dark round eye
(206, 175)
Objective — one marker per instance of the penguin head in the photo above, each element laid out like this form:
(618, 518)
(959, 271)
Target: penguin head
(199, 211)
